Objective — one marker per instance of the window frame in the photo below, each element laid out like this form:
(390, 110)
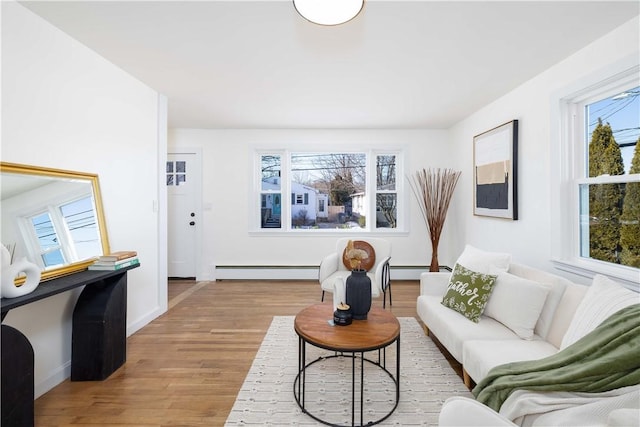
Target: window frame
(285, 189)
(568, 159)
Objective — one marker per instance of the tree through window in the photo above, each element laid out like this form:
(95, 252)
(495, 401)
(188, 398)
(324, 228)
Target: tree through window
(610, 198)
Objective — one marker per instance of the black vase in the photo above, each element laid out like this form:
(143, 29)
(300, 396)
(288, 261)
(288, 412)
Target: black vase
(358, 294)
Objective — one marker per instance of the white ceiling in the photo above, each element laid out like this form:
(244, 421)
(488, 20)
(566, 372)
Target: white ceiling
(400, 64)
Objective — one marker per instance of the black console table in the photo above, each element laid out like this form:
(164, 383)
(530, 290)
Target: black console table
(98, 343)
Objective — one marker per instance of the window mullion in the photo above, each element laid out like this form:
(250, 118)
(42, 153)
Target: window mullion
(371, 190)
(287, 190)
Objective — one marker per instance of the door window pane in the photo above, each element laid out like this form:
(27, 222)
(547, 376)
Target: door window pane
(176, 172)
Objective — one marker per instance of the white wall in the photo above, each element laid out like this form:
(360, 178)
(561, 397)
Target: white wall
(227, 175)
(65, 107)
(529, 238)
(226, 154)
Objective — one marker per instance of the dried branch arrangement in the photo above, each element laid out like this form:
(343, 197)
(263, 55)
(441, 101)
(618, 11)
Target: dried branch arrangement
(433, 189)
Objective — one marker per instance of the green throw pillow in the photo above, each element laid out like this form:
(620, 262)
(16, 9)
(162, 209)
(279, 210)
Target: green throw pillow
(468, 292)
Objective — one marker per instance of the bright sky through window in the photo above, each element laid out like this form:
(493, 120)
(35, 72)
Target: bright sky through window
(622, 112)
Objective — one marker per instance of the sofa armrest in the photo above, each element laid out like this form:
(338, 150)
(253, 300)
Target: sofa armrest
(434, 283)
(328, 266)
(461, 411)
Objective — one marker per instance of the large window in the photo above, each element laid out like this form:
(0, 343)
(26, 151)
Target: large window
(601, 129)
(328, 190)
(609, 197)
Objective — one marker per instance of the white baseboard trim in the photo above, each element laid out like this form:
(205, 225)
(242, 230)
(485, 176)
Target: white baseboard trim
(57, 376)
(265, 272)
(306, 272)
(143, 321)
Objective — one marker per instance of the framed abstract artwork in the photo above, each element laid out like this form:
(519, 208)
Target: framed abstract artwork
(495, 172)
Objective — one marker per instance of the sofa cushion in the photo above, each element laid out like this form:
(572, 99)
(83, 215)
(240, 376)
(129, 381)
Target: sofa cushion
(558, 286)
(452, 329)
(482, 261)
(603, 298)
(571, 298)
(517, 303)
(468, 292)
(480, 356)
(623, 417)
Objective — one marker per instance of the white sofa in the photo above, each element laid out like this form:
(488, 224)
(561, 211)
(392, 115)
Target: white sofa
(530, 314)
(520, 321)
(488, 343)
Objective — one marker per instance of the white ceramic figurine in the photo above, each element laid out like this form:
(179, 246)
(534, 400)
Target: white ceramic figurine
(8, 288)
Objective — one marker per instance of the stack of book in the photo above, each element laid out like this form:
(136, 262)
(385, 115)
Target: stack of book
(115, 261)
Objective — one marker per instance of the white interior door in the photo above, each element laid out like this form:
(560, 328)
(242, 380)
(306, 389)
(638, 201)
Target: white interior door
(183, 177)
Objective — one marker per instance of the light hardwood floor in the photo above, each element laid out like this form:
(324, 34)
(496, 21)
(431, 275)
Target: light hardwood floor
(186, 367)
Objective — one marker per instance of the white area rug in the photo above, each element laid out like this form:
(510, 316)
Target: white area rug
(266, 397)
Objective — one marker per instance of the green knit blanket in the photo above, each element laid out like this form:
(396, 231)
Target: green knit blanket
(605, 359)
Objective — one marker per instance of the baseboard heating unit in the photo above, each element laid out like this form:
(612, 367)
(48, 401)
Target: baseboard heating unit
(299, 272)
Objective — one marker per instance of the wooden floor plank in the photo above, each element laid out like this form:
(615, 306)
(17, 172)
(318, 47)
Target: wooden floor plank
(186, 367)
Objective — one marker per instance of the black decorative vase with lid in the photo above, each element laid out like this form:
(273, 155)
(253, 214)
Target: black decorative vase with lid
(358, 294)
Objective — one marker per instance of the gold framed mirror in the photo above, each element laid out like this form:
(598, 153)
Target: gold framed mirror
(53, 217)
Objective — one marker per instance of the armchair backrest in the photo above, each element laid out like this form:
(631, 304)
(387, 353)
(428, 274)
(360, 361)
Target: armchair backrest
(382, 247)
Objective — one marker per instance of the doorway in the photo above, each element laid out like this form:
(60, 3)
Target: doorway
(184, 213)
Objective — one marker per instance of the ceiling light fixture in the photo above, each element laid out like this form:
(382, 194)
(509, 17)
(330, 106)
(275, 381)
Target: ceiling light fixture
(328, 12)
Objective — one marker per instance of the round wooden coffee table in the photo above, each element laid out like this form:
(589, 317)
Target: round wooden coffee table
(376, 333)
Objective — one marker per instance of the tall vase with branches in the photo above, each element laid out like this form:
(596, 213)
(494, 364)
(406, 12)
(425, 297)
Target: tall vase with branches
(433, 189)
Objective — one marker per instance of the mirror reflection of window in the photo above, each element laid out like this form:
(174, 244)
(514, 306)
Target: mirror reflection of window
(79, 218)
(67, 233)
(48, 240)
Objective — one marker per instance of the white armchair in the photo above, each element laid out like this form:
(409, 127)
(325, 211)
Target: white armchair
(333, 272)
